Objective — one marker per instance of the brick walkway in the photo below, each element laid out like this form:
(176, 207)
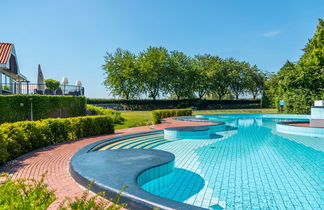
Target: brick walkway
(300, 124)
(55, 161)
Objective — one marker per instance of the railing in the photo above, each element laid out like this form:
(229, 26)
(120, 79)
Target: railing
(27, 88)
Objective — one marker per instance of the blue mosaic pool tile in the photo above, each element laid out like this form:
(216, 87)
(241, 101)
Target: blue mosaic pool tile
(248, 166)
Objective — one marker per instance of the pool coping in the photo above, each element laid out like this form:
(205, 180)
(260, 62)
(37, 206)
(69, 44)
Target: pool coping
(288, 128)
(134, 195)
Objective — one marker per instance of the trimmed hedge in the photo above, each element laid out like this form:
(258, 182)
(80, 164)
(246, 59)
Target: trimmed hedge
(96, 110)
(22, 137)
(147, 104)
(15, 108)
(157, 115)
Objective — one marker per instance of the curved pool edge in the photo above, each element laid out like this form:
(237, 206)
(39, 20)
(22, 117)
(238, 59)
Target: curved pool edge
(287, 116)
(83, 170)
(286, 127)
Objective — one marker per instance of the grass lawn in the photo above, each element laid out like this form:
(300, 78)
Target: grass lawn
(135, 119)
(140, 118)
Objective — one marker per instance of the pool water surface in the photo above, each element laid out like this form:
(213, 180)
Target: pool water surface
(247, 166)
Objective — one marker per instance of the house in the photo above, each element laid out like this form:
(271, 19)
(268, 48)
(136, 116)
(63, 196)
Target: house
(13, 82)
(10, 76)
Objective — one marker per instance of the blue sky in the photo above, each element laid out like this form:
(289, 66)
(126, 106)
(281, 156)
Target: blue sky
(70, 37)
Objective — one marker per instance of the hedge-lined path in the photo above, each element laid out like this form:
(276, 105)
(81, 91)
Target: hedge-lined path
(55, 161)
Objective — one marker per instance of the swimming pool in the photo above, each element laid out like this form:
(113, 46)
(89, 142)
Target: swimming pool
(248, 165)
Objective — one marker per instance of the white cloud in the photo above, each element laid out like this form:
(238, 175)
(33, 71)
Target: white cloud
(271, 34)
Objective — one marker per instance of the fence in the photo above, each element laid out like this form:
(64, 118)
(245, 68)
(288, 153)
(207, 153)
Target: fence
(27, 88)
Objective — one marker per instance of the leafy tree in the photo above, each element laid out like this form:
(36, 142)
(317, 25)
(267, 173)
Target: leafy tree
(202, 81)
(255, 80)
(314, 50)
(122, 74)
(155, 72)
(218, 74)
(52, 84)
(181, 75)
(237, 74)
(153, 64)
(287, 77)
(301, 83)
(310, 67)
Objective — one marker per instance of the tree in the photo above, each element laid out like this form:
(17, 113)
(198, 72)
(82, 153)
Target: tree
(310, 67)
(155, 71)
(52, 84)
(153, 64)
(181, 75)
(122, 74)
(237, 75)
(255, 80)
(202, 81)
(301, 83)
(218, 74)
(270, 90)
(287, 77)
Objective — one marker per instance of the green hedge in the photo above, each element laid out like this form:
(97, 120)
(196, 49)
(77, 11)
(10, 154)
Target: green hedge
(147, 104)
(15, 108)
(157, 115)
(115, 115)
(299, 101)
(22, 137)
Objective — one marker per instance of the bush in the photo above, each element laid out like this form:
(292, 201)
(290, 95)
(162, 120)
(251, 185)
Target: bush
(299, 101)
(5, 87)
(32, 194)
(157, 115)
(15, 108)
(92, 202)
(22, 137)
(25, 194)
(52, 84)
(115, 115)
(147, 104)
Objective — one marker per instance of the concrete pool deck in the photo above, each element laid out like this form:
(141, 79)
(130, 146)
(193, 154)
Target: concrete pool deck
(55, 160)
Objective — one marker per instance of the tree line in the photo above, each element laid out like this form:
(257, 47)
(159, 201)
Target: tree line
(157, 72)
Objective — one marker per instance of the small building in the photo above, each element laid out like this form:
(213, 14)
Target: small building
(10, 76)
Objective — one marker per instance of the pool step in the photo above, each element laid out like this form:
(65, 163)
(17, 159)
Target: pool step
(146, 142)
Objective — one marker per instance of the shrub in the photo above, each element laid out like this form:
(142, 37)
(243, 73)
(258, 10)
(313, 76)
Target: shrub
(157, 115)
(115, 115)
(25, 194)
(299, 101)
(5, 87)
(15, 108)
(22, 137)
(52, 84)
(32, 194)
(92, 202)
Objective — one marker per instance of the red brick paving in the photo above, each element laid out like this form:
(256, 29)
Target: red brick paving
(55, 161)
(300, 124)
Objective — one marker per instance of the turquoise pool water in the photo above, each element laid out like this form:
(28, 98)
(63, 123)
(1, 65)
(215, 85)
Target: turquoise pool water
(247, 166)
